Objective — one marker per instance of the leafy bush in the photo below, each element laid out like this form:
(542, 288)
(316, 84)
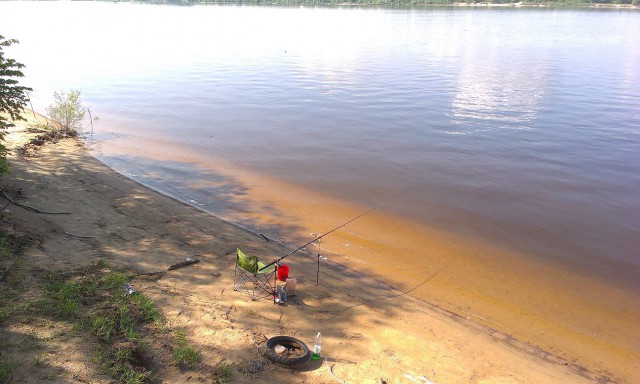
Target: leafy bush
(67, 112)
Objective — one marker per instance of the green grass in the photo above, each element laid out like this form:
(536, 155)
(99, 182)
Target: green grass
(6, 247)
(10, 267)
(117, 364)
(223, 372)
(103, 327)
(39, 360)
(148, 309)
(119, 315)
(11, 246)
(113, 315)
(5, 313)
(102, 263)
(115, 279)
(94, 302)
(130, 376)
(116, 321)
(183, 353)
(65, 295)
(10, 259)
(122, 353)
(6, 368)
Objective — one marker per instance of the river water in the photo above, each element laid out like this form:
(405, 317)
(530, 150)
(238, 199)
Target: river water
(507, 137)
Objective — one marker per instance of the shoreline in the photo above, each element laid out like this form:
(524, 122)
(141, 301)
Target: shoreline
(331, 301)
(544, 303)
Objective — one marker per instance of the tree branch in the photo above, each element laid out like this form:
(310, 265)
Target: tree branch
(28, 208)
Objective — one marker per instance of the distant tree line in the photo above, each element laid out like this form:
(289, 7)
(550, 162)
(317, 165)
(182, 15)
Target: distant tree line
(397, 2)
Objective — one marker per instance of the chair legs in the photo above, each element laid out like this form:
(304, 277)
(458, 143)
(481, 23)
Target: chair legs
(256, 286)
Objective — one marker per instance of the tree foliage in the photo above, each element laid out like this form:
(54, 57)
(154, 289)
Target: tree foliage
(13, 97)
(67, 112)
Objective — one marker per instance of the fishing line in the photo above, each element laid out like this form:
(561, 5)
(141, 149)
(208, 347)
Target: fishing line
(316, 239)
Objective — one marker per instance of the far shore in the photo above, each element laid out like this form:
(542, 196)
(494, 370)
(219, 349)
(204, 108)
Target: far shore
(504, 5)
(519, 4)
(543, 5)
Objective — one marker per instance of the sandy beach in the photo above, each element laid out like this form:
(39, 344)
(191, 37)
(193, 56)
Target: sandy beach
(371, 332)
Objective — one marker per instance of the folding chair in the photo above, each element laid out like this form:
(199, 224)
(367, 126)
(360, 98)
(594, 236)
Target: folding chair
(250, 277)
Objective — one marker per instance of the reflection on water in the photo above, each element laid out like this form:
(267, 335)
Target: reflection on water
(491, 104)
(501, 79)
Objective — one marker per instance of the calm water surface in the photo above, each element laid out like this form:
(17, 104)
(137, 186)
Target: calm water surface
(520, 127)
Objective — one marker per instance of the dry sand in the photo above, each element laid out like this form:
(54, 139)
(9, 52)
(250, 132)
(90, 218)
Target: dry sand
(369, 330)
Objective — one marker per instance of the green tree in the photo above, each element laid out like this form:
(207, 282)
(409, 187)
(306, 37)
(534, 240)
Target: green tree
(13, 97)
(67, 112)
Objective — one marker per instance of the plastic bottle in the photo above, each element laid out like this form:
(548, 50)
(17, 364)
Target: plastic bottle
(317, 345)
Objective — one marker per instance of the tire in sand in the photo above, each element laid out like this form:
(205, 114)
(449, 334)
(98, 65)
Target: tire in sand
(296, 352)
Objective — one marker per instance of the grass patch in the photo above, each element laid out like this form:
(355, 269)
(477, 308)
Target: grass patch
(6, 247)
(93, 300)
(127, 328)
(103, 327)
(65, 295)
(39, 360)
(117, 320)
(11, 247)
(102, 263)
(5, 313)
(148, 310)
(184, 354)
(223, 372)
(6, 368)
(119, 313)
(65, 292)
(114, 281)
(120, 363)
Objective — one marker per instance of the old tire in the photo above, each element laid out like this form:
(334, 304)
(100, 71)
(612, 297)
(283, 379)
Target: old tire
(291, 343)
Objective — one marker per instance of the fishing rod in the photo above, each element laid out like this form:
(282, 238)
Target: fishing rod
(316, 239)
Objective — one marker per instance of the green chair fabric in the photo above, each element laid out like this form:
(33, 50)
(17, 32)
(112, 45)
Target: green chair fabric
(251, 264)
(252, 277)
(248, 263)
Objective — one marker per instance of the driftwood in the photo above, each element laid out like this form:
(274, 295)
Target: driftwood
(183, 264)
(28, 208)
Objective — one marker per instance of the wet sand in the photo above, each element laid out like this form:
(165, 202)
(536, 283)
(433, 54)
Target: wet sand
(565, 312)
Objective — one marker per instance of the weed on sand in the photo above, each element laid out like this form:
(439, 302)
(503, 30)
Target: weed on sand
(124, 327)
(184, 354)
